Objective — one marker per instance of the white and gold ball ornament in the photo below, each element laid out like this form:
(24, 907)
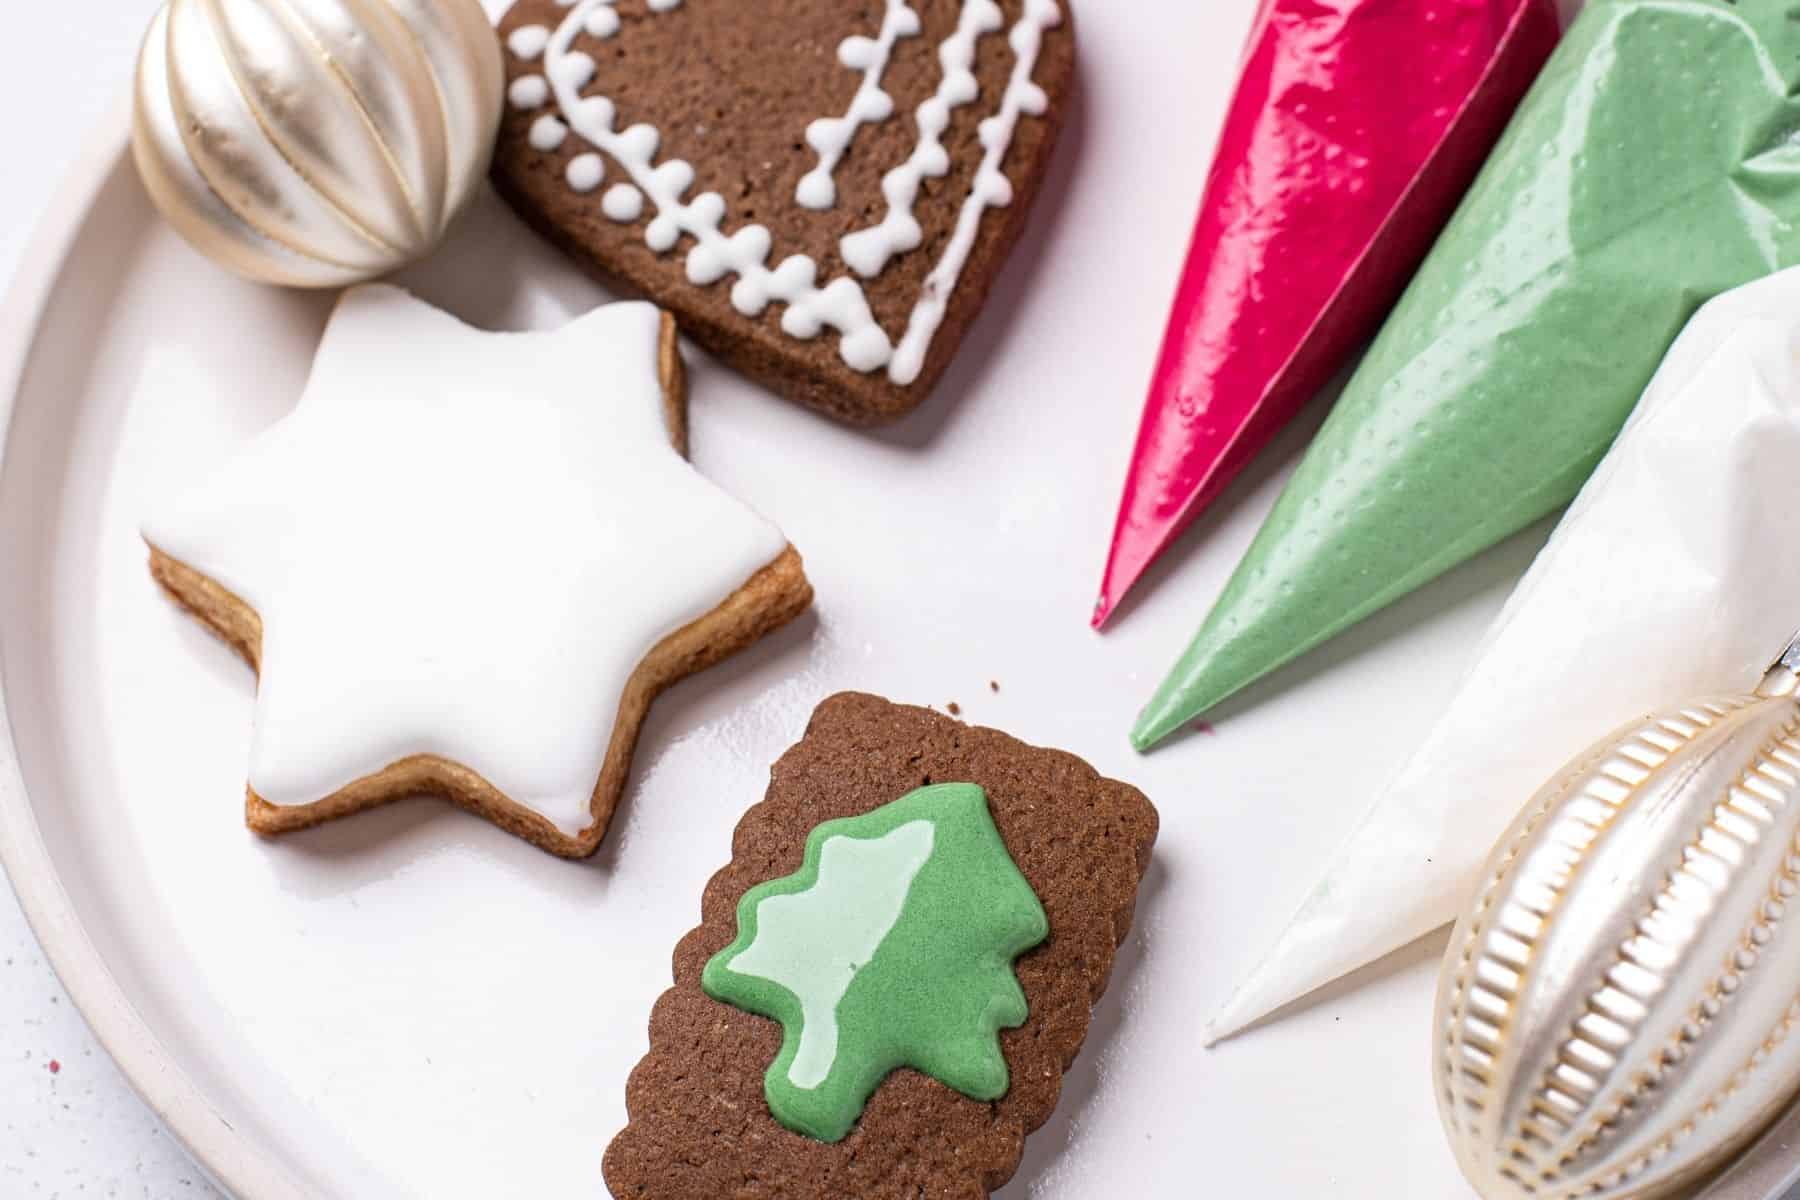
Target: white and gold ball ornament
(1619, 1009)
(314, 143)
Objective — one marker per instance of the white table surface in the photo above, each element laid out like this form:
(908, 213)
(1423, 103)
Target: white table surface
(79, 1130)
(69, 1123)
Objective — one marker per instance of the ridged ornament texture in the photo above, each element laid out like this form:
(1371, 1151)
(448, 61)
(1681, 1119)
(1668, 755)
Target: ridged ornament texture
(315, 143)
(1615, 1010)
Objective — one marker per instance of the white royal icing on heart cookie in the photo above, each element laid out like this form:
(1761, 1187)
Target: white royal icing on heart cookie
(868, 250)
(462, 544)
(831, 136)
(841, 303)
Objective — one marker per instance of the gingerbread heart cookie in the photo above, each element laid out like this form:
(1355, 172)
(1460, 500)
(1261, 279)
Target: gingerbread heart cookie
(822, 193)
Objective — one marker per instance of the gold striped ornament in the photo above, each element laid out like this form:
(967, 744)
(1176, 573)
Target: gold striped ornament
(315, 143)
(1617, 1012)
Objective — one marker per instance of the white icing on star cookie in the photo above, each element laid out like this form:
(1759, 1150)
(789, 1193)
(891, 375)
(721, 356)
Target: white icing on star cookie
(840, 304)
(462, 544)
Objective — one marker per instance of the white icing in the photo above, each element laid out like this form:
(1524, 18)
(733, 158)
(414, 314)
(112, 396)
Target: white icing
(602, 22)
(814, 942)
(868, 250)
(831, 136)
(585, 171)
(622, 202)
(841, 303)
(547, 133)
(462, 544)
(528, 41)
(991, 189)
(570, 72)
(528, 92)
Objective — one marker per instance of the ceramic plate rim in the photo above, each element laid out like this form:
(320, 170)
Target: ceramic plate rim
(233, 1160)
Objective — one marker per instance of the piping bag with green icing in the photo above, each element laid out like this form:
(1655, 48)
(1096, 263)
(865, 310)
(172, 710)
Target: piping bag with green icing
(1676, 573)
(1655, 163)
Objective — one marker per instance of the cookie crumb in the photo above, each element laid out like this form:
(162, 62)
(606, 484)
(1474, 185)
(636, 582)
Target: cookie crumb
(55, 1067)
(954, 709)
(993, 685)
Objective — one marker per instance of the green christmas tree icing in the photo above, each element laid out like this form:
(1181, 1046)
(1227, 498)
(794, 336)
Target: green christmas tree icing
(892, 946)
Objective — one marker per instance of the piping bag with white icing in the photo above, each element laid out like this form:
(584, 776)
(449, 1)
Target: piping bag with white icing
(1674, 573)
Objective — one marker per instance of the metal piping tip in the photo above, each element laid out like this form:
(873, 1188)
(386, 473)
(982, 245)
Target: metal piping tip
(1783, 678)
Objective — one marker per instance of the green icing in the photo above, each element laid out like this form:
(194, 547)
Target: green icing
(1653, 165)
(892, 946)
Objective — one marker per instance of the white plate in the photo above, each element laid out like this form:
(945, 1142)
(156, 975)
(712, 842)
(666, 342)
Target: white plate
(410, 1002)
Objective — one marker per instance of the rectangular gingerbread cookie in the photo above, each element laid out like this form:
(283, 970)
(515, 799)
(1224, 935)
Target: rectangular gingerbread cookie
(871, 908)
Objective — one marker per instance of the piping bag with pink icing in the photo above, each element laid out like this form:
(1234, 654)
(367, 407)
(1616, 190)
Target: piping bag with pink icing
(1333, 173)
(1654, 164)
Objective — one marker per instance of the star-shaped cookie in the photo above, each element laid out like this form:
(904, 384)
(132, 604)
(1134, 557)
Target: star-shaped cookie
(466, 563)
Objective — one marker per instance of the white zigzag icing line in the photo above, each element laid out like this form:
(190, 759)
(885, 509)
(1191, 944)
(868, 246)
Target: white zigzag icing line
(991, 189)
(831, 136)
(868, 250)
(841, 304)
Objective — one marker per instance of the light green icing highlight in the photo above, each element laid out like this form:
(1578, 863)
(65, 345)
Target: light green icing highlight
(1653, 165)
(892, 946)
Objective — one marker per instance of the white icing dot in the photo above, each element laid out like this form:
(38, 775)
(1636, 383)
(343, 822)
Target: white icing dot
(801, 322)
(857, 52)
(826, 132)
(662, 234)
(866, 349)
(640, 142)
(750, 294)
(995, 190)
(598, 110)
(585, 171)
(744, 250)
(816, 190)
(673, 177)
(573, 71)
(602, 22)
(797, 273)
(664, 5)
(708, 208)
(867, 251)
(547, 133)
(622, 203)
(528, 41)
(529, 91)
